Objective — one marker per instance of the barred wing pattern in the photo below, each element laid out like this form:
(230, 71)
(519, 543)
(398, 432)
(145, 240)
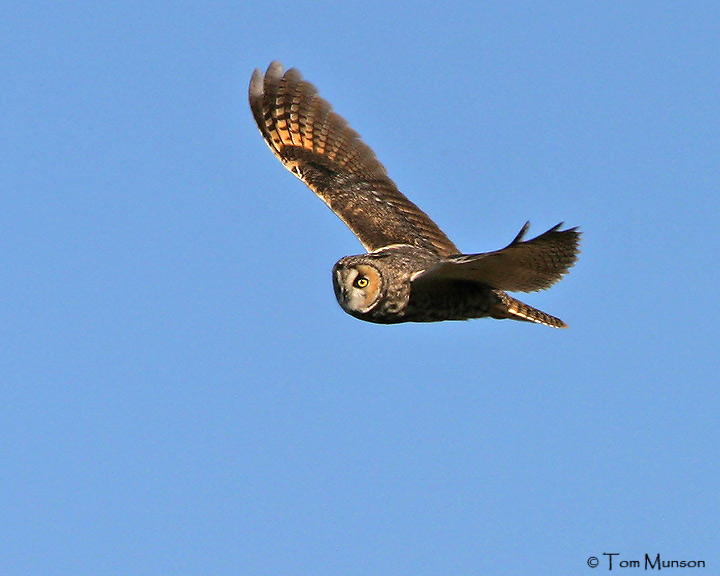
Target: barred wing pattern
(319, 147)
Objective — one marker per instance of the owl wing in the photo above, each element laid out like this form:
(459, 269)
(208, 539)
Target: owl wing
(522, 266)
(319, 147)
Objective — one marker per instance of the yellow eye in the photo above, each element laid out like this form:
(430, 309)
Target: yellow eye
(360, 282)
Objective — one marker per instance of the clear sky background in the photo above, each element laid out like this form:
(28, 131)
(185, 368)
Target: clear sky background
(181, 394)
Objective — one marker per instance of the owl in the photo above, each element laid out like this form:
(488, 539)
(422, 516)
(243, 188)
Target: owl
(411, 272)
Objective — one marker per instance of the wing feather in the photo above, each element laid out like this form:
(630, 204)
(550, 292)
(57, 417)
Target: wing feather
(319, 147)
(522, 266)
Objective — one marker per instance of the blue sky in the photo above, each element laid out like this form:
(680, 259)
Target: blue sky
(181, 394)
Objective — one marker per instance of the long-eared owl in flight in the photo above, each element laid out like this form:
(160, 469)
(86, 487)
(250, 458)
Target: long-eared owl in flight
(411, 272)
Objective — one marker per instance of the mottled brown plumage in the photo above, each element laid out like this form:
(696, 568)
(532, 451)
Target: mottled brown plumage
(412, 272)
(321, 149)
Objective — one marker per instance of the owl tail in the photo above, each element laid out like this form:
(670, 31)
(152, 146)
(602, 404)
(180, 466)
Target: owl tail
(509, 307)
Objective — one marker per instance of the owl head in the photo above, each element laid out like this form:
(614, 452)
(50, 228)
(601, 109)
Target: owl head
(358, 285)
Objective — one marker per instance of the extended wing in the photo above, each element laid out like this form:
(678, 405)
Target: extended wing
(522, 266)
(319, 147)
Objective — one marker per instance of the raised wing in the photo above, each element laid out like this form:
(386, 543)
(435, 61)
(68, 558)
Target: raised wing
(319, 147)
(519, 267)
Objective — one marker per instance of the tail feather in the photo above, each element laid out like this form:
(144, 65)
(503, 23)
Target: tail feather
(509, 307)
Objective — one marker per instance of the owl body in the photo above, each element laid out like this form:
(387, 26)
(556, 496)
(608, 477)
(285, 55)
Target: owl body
(412, 272)
(378, 287)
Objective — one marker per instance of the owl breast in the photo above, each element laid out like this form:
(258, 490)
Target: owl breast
(449, 300)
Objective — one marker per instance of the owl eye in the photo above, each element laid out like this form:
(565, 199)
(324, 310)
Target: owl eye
(360, 282)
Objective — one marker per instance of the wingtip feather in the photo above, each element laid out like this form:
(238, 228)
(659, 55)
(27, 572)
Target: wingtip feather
(255, 90)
